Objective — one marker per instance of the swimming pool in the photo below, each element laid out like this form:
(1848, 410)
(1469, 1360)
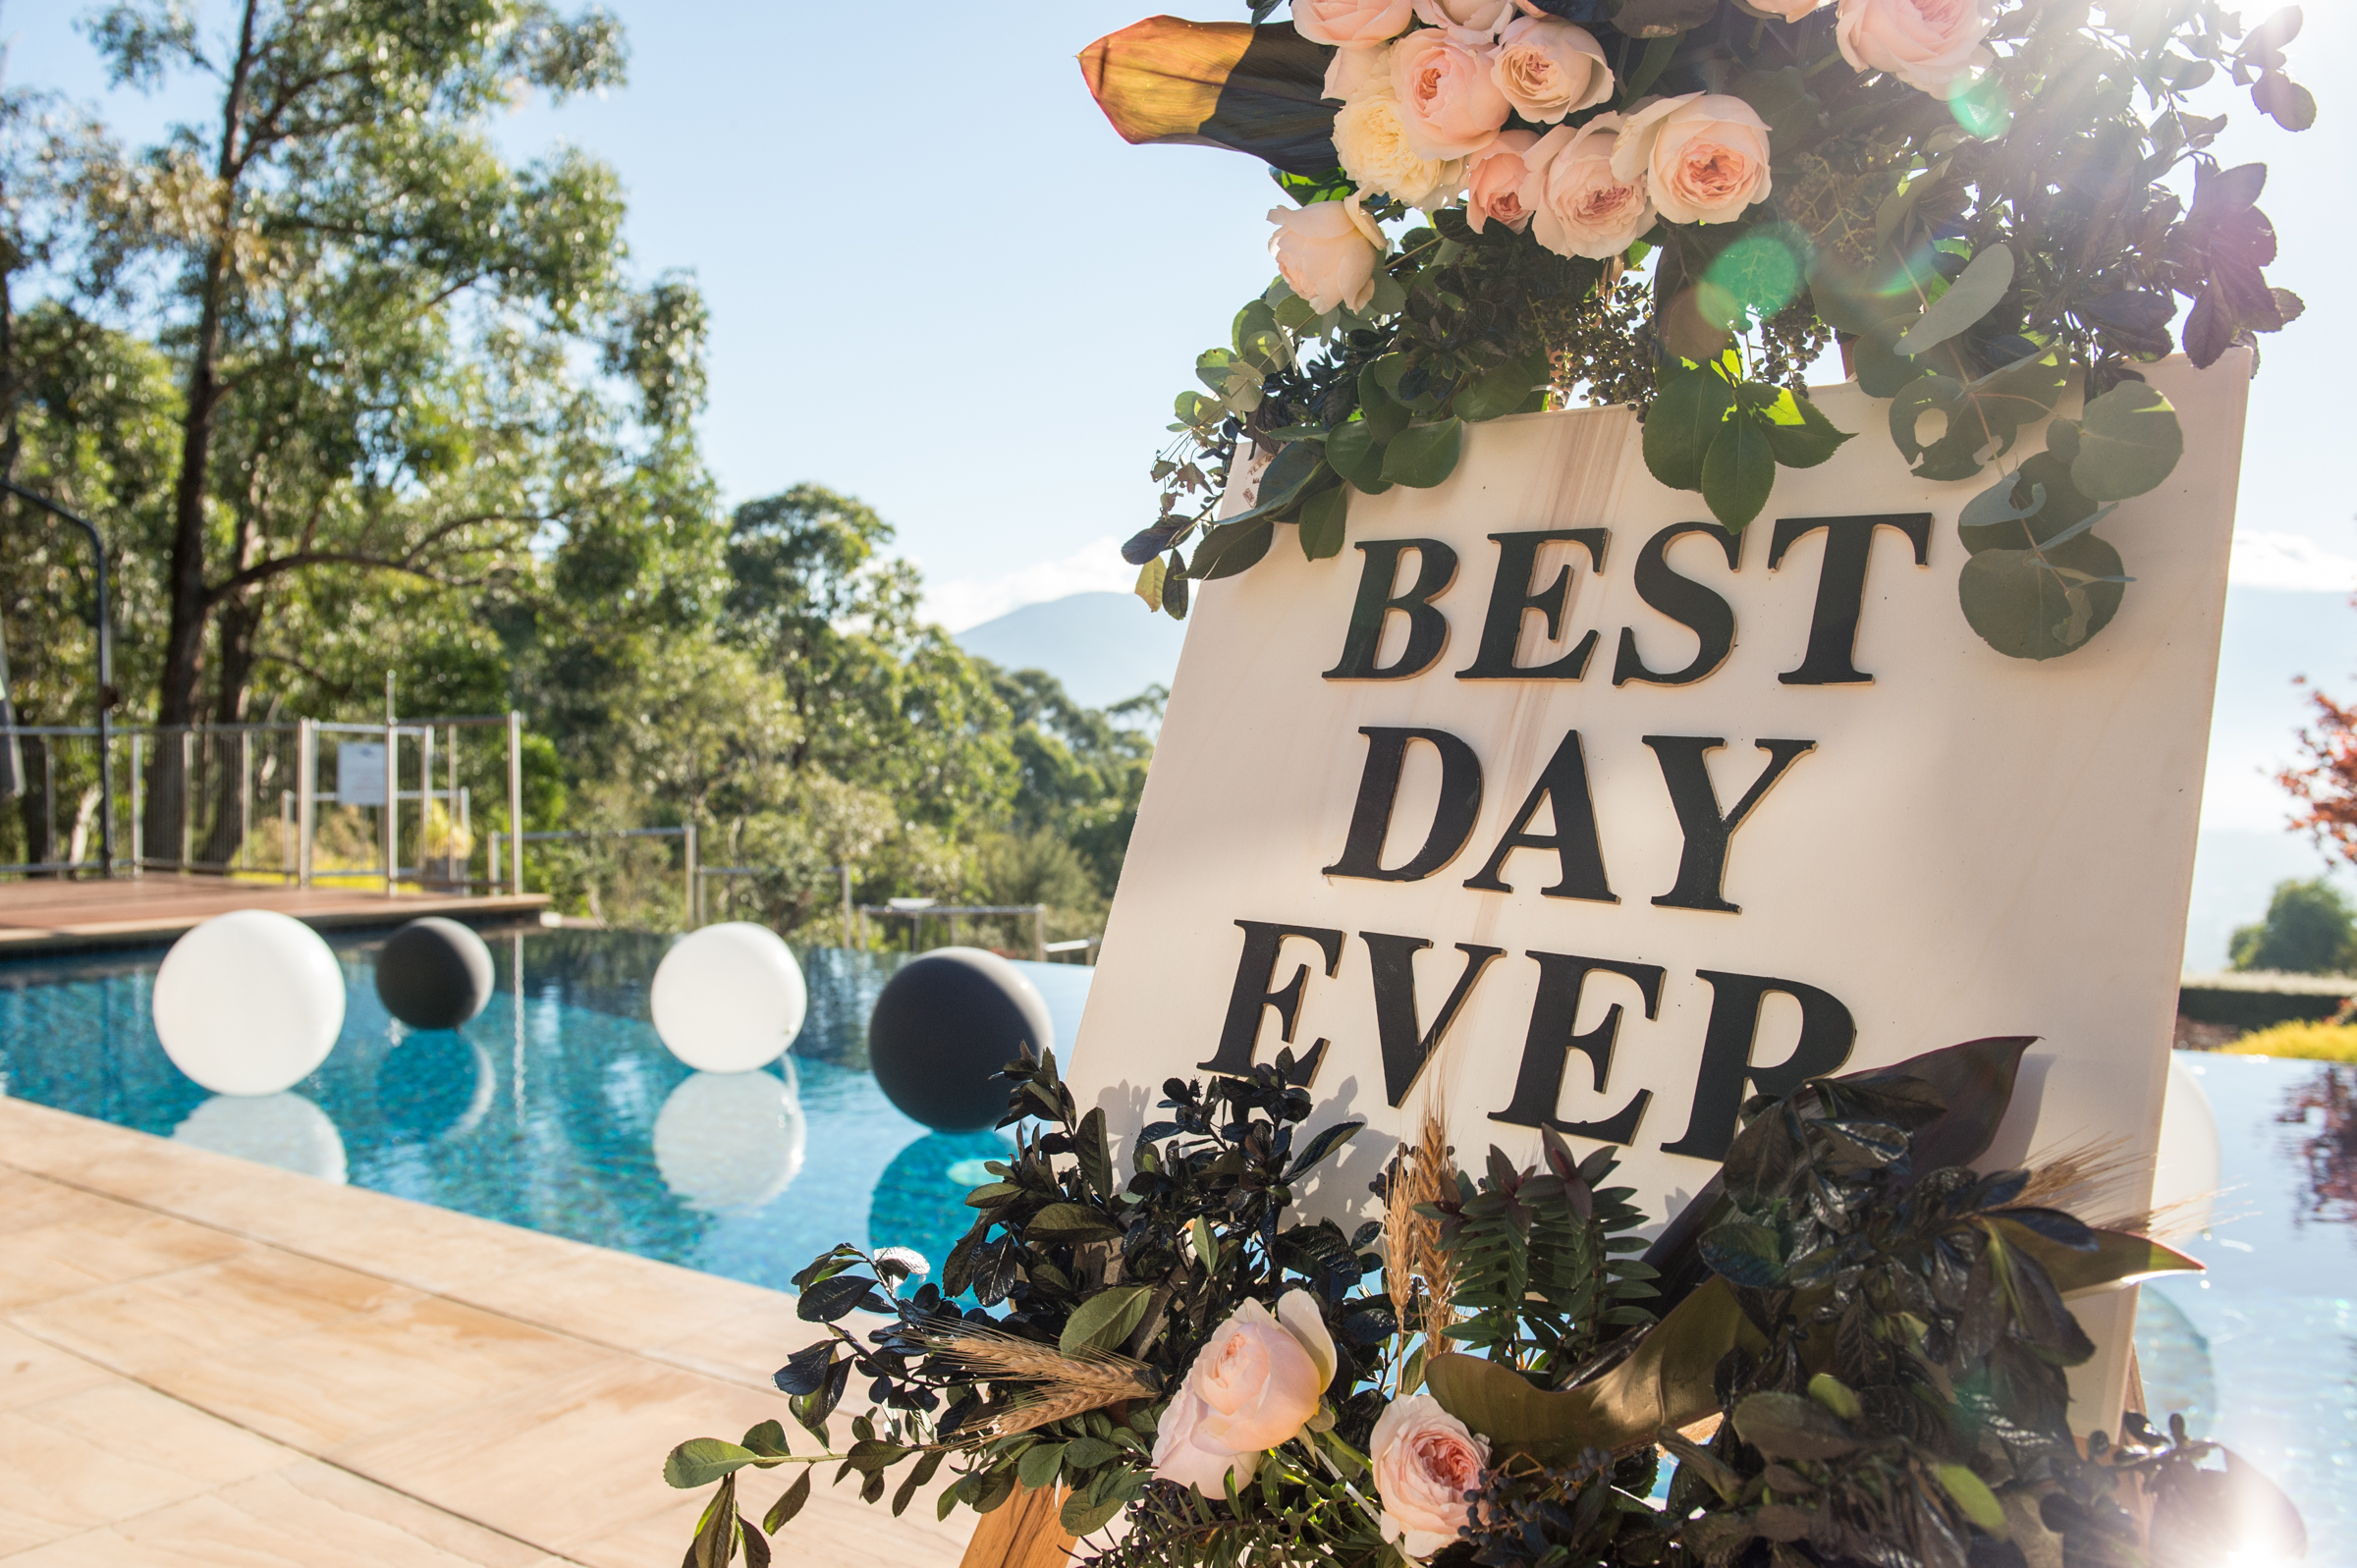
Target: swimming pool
(565, 1115)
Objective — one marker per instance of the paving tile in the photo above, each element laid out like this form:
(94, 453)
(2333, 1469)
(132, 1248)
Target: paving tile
(30, 1371)
(111, 1244)
(432, 1249)
(101, 1454)
(616, 1299)
(148, 1324)
(374, 1371)
(746, 1348)
(572, 1459)
(835, 1527)
(299, 1517)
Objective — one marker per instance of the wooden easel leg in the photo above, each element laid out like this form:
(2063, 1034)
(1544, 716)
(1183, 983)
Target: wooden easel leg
(1023, 1532)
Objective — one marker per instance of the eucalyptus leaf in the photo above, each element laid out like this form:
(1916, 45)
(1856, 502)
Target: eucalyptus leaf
(2024, 609)
(1384, 414)
(1357, 456)
(1970, 297)
(2129, 441)
(1230, 548)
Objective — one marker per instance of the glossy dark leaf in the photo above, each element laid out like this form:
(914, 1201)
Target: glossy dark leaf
(806, 1369)
(1319, 1147)
(1071, 1222)
(1789, 1427)
(790, 1502)
(830, 1299)
(1230, 548)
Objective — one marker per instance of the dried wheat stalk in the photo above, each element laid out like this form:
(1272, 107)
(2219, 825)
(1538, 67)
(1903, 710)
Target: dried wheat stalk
(1056, 1384)
(1421, 1173)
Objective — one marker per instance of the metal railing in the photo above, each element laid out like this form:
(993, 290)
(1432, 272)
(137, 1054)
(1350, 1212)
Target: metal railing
(918, 913)
(295, 801)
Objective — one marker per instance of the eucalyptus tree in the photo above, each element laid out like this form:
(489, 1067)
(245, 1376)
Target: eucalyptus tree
(375, 316)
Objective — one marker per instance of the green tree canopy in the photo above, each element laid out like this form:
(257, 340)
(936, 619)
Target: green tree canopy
(2309, 929)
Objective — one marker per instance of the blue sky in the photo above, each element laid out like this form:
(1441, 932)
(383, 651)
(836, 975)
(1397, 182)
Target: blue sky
(940, 281)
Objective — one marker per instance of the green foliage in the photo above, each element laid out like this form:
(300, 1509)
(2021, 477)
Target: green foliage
(2309, 929)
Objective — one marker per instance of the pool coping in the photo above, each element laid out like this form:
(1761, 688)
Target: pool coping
(394, 1383)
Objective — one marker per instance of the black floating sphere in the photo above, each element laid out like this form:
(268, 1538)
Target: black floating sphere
(944, 1026)
(435, 974)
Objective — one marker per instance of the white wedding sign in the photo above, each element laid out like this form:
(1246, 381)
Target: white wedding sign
(1548, 799)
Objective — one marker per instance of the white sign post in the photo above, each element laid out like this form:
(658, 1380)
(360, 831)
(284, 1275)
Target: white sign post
(1551, 799)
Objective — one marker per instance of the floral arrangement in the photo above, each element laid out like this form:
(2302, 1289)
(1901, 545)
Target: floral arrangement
(1849, 1349)
(1680, 204)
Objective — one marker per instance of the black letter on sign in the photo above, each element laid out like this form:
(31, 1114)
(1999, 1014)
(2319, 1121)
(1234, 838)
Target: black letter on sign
(1578, 856)
(1253, 972)
(1427, 627)
(1702, 863)
(1404, 1048)
(1826, 1032)
(1548, 1048)
(1841, 588)
(1379, 790)
(1511, 600)
(1684, 601)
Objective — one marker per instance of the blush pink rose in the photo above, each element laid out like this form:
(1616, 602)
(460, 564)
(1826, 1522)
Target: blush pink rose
(1425, 1462)
(1448, 106)
(1328, 252)
(1548, 69)
(1704, 156)
(1350, 23)
(1933, 45)
(1260, 1377)
(1494, 178)
(1472, 21)
(1581, 207)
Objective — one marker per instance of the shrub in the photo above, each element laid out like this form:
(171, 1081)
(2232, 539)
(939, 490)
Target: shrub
(2309, 929)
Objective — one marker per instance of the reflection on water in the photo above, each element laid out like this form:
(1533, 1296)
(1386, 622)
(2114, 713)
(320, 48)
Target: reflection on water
(731, 1140)
(284, 1130)
(2326, 1105)
(435, 1084)
(557, 1109)
(919, 1203)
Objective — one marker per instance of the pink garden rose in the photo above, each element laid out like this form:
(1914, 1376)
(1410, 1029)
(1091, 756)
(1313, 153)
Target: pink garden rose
(1934, 45)
(1548, 69)
(1255, 1384)
(1328, 252)
(1472, 21)
(1579, 207)
(1350, 23)
(1493, 181)
(1352, 73)
(1448, 106)
(1425, 1462)
(1704, 156)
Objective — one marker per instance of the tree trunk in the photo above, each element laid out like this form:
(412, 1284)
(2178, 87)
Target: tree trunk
(184, 638)
(237, 622)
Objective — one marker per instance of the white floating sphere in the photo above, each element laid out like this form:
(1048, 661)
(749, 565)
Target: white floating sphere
(248, 1002)
(282, 1131)
(731, 1140)
(2186, 1169)
(728, 998)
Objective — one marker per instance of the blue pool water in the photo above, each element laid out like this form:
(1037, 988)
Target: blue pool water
(564, 1113)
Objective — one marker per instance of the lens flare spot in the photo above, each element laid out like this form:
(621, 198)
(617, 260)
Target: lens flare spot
(1983, 109)
(1752, 279)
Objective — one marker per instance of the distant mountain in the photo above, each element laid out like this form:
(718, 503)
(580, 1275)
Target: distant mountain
(1105, 647)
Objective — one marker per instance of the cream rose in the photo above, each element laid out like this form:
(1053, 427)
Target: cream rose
(1371, 141)
(1353, 72)
(1260, 1377)
(1352, 24)
(1180, 1454)
(1448, 102)
(1579, 207)
(1789, 10)
(1328, 252)
(1704, 156)
(1548, 68)
(1934, 45)
(1425, 1462)
(1494, 178)
(1473, 21)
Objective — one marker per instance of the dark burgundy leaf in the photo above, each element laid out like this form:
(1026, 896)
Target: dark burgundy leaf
(830, 1299)
(806, 1369)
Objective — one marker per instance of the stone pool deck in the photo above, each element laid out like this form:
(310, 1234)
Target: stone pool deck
(208, 1361)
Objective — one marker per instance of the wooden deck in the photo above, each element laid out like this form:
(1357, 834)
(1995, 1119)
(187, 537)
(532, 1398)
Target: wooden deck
(42, 914)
